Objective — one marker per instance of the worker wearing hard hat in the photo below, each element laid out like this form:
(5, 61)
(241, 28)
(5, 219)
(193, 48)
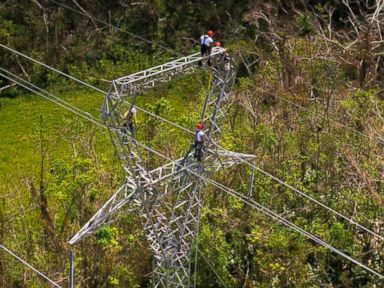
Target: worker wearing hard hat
(199, 141)
(206, 43)
(130, 121)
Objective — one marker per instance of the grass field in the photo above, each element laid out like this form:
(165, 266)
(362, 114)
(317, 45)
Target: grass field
(24, 117)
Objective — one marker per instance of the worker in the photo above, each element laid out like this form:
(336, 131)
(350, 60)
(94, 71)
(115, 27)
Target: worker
(206, 43)
(130, 121)
(225, 58)
(199, 141)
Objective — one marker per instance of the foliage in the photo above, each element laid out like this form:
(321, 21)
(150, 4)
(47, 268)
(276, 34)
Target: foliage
(309, 110)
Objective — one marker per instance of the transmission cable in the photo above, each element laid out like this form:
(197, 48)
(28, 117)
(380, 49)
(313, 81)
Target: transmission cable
(51, 68)
(211, 266)
(242, 160)
(88, 117)
(262, 209)
(69, 107)
(190, 131)
(30, 266)
(93, 87)
(375, 139)
(378, 140)
(257, 206)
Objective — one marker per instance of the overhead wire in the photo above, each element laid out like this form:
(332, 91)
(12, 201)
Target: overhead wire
(86, 116)
(278, 180)
(263, 209)
(250, 164)
(92, 87)
(375, 139)
(52, 68)
(211, 266)
(50, 97)
(259, 207)
(378, 140)
(72, 109)
(30, 266)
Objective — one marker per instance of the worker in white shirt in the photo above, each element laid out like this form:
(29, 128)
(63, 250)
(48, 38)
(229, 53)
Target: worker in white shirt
(199, 141)
(206, 43)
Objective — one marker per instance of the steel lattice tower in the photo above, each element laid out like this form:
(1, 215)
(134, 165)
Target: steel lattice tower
(171, 234)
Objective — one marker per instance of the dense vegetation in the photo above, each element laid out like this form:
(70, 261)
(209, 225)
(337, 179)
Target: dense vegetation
(309, 104)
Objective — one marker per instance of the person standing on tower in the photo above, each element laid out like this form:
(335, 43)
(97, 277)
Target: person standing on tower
(199, 141)
(130, 121)
(206, 43)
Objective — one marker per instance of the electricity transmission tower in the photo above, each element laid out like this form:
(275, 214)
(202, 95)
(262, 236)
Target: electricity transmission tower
(170, 232)
(177, 184)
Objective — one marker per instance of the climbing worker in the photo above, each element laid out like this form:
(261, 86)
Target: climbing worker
(130, 121)
(206, 43)
(227, 63)
(199, 141)
(225, 58)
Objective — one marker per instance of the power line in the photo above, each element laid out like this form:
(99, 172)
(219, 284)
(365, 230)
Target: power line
(88, 117)
(375, 139)
(30, 266)
(177, 53)
(309, 197)
(262, 209)
(91, 86)
(50, 97)
(51, 68)
(192, 132)
(280, 181)
(211, 266)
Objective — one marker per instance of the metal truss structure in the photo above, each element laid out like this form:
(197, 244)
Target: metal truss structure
(168, 198)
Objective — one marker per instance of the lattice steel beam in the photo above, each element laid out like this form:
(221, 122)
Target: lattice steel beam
(169, 233)
(151, 77)
(125, 199)
(185, 217)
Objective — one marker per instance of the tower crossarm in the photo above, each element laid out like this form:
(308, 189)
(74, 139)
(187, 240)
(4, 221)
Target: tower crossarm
(224, 159)
(170, 171)
(146, 79)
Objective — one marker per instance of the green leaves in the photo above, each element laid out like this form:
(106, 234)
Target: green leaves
(7, 29)
(304, 24)
(107, 236)
(266, 137)
(341, 237)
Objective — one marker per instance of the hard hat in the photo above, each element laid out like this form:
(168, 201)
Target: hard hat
(218, 44)
(199, 126)
(210, 33)
(133, 110)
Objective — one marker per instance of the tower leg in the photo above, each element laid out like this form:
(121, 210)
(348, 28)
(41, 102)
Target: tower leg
(71, 270)
(250, 184)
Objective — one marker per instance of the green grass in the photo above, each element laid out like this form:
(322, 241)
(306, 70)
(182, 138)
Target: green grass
(20, 125)
(20, 119)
